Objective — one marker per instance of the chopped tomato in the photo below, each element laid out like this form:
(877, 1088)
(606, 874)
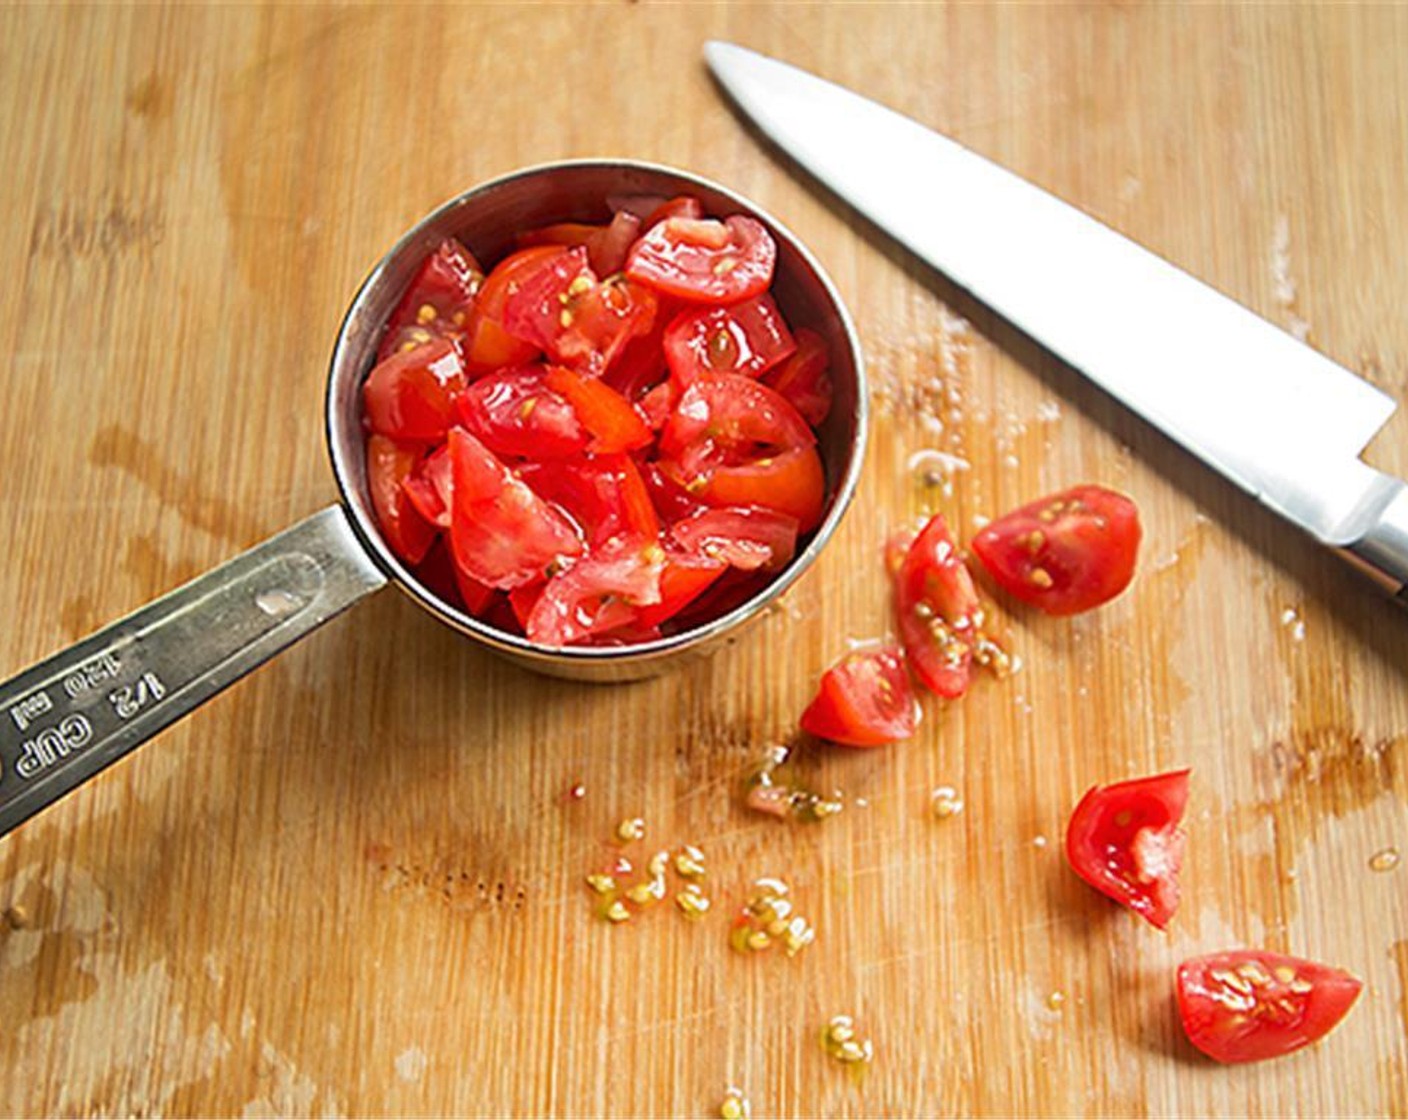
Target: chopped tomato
(515, 412)
(1124, 840)
(865, 700)
(389, 464)
(431, 486)
(614, 423)
(742, 536)
(746, 338)
(606, 245)
(437, 303)
(704, 259)
(803, 379)
(653, 208)
(727, 418)
(791, 482)
(668, 494)
(937, 610)
(1246, 1005)
(597, 594)
(501, 533)
(684, 577)
(604, 495)
(574, 318)
(411, 395)
(488, 345)
(1065, 553)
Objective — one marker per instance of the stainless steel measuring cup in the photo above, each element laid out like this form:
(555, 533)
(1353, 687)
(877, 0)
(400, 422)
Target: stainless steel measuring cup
(76, 712)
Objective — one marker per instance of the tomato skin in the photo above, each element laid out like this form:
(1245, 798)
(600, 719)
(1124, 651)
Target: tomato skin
(1247, 1006)
(488, 345)
(411, 395)
(728, 418)
(684, 577)
(803, 379)
(389, 464)
(1064, 553)
(604, 495)
(599, 593)
(606, 245)
(791, 483)
(938, 612)
(747, 338)
(614, 423)
(501, 533)
(437, 303)
(1124, 840)
(864, 700)
(705, 260)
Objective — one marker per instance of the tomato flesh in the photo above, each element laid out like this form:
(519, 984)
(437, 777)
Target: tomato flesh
(938, 612)
(598, 594)
(864, 700)
(389, 465)
(614, 423)
(438, 302)
(704, 259)
(745, 537)
(514, 412)
(746, 338)
(488, 345)
(1124, 840)
(803, 380)
(411, 394)
(1065, 553)
(1246, 1005)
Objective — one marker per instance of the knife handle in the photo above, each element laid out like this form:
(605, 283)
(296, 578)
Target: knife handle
(1380, 550)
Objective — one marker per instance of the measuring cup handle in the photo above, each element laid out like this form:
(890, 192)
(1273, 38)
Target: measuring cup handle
(80, 710)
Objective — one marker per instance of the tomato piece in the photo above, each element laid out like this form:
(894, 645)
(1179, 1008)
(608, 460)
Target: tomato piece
(437, 303)
(439, 573)
(653, 208)
(606, 245)
(597, 594)
(515, 412)
(641, 364)
(1246, 1005)
(667, 494)
(705, 260)
(683, 578)
(389, 464)
(575, 319)
(1124, 840)
(937, 610)
(659, 403)
(864, 700)
(431, 486)
(487, 344)
(803, 379)
(411, 395)
(731, 419)
(604, 495)
(746, 338)
(1065, 553)
(501, 533)
(744, 537)
(614, 423)
(792, 482)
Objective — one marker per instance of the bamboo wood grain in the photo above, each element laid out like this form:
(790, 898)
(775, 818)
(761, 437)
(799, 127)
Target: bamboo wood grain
(353, 885)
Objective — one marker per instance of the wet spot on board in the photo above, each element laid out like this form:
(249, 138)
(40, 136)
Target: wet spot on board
(149, 99)
(143, 460)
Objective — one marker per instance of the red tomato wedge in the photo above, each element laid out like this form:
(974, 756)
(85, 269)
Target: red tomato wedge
(431, 487)
(437, 303)
(1246, 1005)
(597, 594)
(803, 379)
(684, 577)
(411, 394)
(865, 700)
(615, 423)
(745, 338)
(938, 612)
(604, 495)
(514, 412)
(744, 537)
(1124, 840)
(487, 344)
(606, 245)
(389, 465)
(1065, 553)
(705, 260)
(577, 320)
(726, 418)
(501, 533)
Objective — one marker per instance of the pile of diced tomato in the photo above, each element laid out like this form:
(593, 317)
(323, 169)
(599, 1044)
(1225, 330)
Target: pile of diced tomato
(608, 436)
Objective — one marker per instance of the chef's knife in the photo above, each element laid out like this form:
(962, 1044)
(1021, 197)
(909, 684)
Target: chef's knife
(1276, 417)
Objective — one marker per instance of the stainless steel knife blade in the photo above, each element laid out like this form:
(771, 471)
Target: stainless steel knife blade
(1270, 413)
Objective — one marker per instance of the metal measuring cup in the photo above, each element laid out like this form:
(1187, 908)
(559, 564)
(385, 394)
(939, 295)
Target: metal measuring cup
(71, 715)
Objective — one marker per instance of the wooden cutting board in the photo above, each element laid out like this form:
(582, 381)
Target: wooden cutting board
(353, 884)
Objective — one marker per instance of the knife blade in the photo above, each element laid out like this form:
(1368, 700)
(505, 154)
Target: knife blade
(1273, 415)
